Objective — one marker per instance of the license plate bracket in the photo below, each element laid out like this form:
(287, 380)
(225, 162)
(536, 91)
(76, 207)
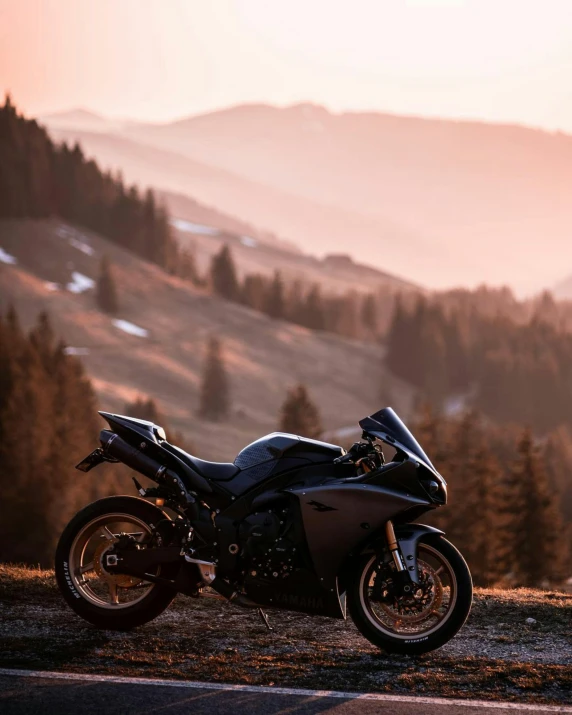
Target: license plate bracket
(92, 460)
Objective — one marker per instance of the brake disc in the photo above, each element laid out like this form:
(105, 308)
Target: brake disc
(426, 599)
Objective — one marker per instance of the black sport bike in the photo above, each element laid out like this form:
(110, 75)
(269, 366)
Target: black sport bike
(292, 523)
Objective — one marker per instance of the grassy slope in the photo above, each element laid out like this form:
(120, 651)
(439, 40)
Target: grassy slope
(497, 655)
(264, 357)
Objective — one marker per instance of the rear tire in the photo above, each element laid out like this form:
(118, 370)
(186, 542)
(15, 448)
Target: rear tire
(364, 610)
(70, 574)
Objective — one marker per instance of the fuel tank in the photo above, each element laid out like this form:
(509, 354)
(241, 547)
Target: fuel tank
(274, 454)
(278, 451)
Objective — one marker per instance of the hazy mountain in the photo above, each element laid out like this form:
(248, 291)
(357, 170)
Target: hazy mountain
(313, 226)
(81, 119)
(441, 202)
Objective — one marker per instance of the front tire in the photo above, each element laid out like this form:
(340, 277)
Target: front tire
(111, 602)
(416, 625)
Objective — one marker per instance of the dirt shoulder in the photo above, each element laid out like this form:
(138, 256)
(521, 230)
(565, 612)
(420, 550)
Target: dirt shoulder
(499, 654)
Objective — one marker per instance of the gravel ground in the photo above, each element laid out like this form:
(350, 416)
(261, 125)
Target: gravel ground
(517, 645)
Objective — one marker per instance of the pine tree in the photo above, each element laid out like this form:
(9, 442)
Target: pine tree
(254, 291)
(473, 475)
(348, 321)
(532, 528)
(214, 394)
(299, 415)
(369, 314)
(223, 275)
(187, 266)
(399, 342)
(274, 303)
(314, 309)
(295, 302)
(106, 292)
(48, 422)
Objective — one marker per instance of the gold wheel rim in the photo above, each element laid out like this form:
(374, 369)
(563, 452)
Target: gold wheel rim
(406, 627)
(90, 578)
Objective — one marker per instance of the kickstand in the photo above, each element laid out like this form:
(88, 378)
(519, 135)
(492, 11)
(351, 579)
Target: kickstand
(264, 618)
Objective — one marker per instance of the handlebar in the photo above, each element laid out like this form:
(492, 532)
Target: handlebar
(358, 450)
(347, 457)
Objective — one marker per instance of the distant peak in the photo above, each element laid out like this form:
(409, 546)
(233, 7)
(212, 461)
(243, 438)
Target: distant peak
(77, 113)
(308, 109)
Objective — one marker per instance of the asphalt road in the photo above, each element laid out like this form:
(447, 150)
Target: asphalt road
(25, 694)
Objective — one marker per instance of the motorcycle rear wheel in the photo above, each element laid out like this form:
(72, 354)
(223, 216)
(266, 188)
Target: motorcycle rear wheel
(419, 624)
(111, 602)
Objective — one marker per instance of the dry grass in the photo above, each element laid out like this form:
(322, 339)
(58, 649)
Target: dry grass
(497, 655)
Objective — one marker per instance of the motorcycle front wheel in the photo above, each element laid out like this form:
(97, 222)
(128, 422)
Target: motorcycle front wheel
(422, 622)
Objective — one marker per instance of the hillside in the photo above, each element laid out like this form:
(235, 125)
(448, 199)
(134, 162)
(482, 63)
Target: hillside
(442, 202)
(335, 273)
(318, 228)
(48, 265)
(209, 220)
(515, 646)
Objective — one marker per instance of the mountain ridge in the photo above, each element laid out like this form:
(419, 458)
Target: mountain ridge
(447, 202)
(47, 117)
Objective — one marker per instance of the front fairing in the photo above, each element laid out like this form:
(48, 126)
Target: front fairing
(389, 428)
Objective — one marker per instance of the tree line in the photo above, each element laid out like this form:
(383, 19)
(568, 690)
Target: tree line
(509, 371)
(48, 423)
(351, 315)
(509, 510)
(40, 179)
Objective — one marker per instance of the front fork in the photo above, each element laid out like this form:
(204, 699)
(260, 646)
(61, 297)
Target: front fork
(402, 544)
(404, 581)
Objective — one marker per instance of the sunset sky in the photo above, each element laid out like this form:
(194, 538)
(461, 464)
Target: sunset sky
(497, 60)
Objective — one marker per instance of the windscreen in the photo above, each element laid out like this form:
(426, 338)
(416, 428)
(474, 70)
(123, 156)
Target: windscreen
(386, 421)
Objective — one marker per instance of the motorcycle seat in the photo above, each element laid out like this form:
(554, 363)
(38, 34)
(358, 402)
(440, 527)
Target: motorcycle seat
(215, 471)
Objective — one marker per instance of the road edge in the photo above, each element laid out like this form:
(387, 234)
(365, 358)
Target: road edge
(197, 685)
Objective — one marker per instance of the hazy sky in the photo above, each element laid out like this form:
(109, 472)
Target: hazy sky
(500, 60)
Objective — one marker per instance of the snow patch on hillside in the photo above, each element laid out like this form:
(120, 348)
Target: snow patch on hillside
(7, 258)
(196, 228)
(75, 239)
(80, 283)
(248, 241)
(130, 328)
(82, 246)
(52, 286)
(64, 231)
(75, 351)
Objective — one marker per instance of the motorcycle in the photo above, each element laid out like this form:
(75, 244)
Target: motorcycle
(293, 523)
